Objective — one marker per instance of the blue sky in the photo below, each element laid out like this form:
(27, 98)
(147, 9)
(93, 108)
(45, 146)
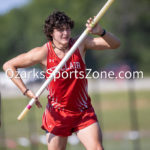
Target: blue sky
(7, 5)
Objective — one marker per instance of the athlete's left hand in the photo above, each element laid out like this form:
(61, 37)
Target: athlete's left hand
(97, 29)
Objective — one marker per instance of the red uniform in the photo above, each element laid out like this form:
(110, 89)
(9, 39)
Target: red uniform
(69, 107)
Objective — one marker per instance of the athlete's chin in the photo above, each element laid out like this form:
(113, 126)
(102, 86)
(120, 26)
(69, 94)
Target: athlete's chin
(65, 41)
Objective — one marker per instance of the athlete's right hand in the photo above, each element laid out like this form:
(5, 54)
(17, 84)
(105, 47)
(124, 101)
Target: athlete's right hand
(31, 95)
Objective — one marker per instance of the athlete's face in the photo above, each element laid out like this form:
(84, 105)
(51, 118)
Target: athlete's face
(62, 35)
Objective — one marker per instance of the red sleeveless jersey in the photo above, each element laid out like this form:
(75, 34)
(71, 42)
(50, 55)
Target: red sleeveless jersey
(69, 90)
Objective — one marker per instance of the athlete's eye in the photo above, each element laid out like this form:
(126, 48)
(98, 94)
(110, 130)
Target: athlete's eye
(64, 29)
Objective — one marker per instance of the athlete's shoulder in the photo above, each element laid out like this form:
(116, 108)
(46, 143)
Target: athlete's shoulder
(43, 50)
(38, 54)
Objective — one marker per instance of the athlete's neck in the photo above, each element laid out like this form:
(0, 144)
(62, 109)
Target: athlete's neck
(60, 46)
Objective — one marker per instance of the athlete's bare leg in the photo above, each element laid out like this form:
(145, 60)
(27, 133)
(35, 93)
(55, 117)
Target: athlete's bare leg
(56, 142)
(91, 137)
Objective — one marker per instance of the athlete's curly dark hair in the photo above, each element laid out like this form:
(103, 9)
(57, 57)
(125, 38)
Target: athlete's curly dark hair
(56, 20)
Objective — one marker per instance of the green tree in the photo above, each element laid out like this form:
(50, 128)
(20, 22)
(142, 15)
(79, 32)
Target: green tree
(22, 29)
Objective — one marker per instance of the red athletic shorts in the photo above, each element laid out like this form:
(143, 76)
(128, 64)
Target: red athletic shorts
(64, 123)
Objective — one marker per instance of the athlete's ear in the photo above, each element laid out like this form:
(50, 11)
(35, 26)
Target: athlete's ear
(51, 34)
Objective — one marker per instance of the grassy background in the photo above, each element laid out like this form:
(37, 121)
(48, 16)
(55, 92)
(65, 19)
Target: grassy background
(112, 110)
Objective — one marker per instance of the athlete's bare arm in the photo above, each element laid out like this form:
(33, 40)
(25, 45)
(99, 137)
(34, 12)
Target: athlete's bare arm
(108, 41)
(35, 56)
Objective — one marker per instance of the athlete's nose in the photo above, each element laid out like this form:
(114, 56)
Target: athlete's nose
(65, 32)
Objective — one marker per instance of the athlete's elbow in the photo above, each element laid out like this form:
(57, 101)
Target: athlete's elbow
(116, 45)
(6, 66)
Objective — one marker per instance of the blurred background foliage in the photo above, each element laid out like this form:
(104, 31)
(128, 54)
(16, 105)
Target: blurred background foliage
(21, 29)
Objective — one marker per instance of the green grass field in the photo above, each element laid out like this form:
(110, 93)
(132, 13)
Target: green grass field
(112, 110)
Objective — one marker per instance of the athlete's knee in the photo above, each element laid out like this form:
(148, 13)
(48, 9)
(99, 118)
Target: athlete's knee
(99, 148)
(96, 147)
(63, 147)
(56, 147)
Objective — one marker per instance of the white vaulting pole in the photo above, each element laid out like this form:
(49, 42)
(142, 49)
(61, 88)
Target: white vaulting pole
(66, 57)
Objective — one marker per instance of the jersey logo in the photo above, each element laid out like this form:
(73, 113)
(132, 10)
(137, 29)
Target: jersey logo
(51, 60)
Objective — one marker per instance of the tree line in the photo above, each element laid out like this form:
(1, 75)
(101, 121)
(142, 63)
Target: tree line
(22, 29)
